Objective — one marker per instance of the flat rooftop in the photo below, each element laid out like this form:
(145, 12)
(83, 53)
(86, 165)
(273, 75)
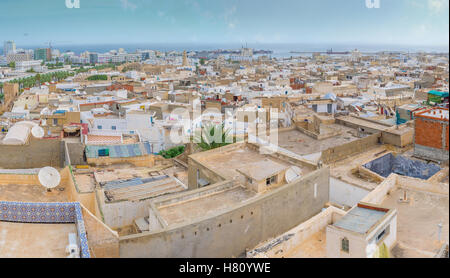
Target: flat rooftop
(85, 181)
(32, 193)
(262, 169)
(302, 144)
(206, 205)
(313, 247)
(360, 220)
(138, 189)
(346, 169)
(417, 222)
(122, 182)
(124, 171)
(27, 240)
(103, 139)
(227, 162)
(362, 122)
(436, 113)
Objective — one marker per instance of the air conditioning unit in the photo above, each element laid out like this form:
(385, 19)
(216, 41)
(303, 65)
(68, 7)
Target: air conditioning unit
(72, 249)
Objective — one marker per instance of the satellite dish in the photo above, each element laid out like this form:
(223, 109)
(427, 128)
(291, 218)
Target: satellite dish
(158, 98)
(38, 132)
(106, 106)
(292, 174)
(49, 177)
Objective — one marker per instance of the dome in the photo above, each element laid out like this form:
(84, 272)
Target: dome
(19, 133)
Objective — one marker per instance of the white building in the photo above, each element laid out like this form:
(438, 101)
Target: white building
(363, 232)
(9, 47)
(23, 66)
(18, 57)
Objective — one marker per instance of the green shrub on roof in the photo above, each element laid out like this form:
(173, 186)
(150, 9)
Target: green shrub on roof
(173, 152)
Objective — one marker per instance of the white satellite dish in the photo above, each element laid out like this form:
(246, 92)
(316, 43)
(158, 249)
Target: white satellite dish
(38, 132)
(106, 106)
(49, 177)
(292, 174)
(158, 98)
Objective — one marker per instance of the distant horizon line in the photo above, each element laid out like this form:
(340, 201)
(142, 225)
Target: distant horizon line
(232, 45)
(244, 43)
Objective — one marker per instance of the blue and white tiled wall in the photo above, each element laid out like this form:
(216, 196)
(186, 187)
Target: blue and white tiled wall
(47, 213)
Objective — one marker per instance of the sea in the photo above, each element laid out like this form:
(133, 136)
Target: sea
(279, 50)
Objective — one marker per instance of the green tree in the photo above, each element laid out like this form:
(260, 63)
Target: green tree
(38, 78)
(97, 77)
(12, 65)
(202, 61)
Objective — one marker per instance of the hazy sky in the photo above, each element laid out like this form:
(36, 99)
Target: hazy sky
(401, 22)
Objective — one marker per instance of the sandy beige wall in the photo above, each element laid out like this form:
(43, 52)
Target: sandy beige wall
(103, 242)
(139, 161)
(295, 236)
(7, 179)
(377, 195)
(265, 217)
(344, 151)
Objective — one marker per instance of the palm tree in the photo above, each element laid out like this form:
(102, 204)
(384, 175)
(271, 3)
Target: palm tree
(212, 136)
(38, 78)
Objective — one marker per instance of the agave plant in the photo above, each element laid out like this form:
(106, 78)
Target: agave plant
(212, 136)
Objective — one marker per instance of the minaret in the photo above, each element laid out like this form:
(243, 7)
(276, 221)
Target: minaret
(185, 60)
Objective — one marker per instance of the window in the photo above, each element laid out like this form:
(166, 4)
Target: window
(315, 190)
(103, 152)
(271, 180)
(99, 127)
(382, 234)
(345, 246)
(55, 121)
(113, 127)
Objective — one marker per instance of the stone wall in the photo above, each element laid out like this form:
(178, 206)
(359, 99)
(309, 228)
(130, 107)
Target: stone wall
(344, 151)
(75, 151)
(37, 153)
(22, 179)
(283, 244)
(138, 161)
(256, 220)
(103, 242)
(399, 140)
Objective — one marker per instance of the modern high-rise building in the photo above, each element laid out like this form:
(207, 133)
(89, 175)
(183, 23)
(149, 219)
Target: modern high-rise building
(44, 54)
(93, 58)
(9, 47)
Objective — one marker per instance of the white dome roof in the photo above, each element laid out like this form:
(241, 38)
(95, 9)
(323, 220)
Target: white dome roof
(19, 133)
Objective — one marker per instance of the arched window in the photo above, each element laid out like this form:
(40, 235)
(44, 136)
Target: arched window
(345, 245)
